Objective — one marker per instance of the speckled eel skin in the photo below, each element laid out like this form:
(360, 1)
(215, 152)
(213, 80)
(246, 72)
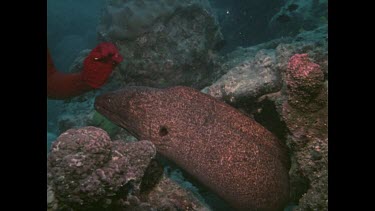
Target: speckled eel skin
(221, 147)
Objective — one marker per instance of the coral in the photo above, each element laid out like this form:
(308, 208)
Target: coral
(100, 121)
(168, 195)
(305, 113)
(304, 80)
(86, 169)
(308, 141)
(297, 113)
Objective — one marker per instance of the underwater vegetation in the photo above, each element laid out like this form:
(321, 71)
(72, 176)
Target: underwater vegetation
(100, 121)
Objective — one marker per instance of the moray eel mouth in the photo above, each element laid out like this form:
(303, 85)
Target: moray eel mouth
(102, 105)
(105, 105)
(112, 108)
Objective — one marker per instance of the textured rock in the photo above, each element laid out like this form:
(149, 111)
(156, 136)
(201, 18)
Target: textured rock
(130, 18)
(163, 43)
(224, 149)
(297, 113)
(306, 116)
(168, 195)
(308, 140)
(305, 81)
(86, 169)
(301, 111)
(299, 15)
(255, 71)
(248, 80)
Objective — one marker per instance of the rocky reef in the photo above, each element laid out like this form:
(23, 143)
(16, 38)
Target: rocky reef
(296, 16)
(88, 171)
(164, 43)
(283, 84)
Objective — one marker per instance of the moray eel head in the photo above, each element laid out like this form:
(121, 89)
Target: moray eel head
(127, 107)
(230, 153)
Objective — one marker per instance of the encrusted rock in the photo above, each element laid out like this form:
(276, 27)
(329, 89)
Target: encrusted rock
(297, 113)
(163, 43)
(299, 15)
(304, 81)
(86, 169)
(252, 78)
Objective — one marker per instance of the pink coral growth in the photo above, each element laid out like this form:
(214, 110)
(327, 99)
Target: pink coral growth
(300, 66)
(303, 74)
(304, 79)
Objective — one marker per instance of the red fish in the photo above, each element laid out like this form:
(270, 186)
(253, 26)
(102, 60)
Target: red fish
(97, 67)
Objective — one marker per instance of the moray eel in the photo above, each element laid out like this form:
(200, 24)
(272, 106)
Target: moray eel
(221, 147)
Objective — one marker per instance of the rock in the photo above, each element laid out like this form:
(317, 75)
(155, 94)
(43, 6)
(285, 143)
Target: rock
(299, 15)
(163, 44)
(297, 113)
(314, 43)
(307, 122)
(86, 169)
(52, 203)
(308, 140)
(168, 195)
(304, 81)
(255, 71)
(127, 20)
(248, 80)
(306, 133)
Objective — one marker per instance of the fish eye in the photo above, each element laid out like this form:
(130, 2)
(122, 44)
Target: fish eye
(163, 131)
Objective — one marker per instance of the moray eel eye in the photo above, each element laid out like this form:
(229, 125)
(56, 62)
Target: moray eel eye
(163, 131)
